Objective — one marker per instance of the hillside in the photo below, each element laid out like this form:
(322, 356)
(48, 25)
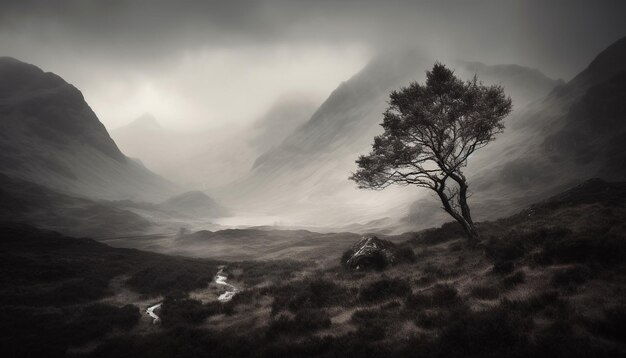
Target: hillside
(59, 291)
(22, 201)
(575, 133)
(264, 244)
(50, 136)
(545, 282)
(279, 122)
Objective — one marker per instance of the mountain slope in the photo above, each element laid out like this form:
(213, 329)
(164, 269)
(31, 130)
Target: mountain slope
(50, 136)
(22, 201)
(575, 133)
(279, 122)
(59, 292)
(594, 132)
(305, 177)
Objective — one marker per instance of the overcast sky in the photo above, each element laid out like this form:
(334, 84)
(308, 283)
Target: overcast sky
(200, 64)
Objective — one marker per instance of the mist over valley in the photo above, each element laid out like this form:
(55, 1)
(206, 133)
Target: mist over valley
(289, 179)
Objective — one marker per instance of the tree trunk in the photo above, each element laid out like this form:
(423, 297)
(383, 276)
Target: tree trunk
(470, 232)
(468, 226)
(464, 217)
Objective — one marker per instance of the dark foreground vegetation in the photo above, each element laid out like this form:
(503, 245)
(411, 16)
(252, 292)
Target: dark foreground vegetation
(548, 282)
(51, 288)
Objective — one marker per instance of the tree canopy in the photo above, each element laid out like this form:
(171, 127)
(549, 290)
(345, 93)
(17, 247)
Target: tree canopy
(430, 131)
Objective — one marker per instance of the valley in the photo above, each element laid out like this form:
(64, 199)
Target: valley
(281, 179)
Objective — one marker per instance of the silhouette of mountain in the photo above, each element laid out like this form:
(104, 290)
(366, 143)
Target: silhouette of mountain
(144, 123)
(606, 64)
(50, 136)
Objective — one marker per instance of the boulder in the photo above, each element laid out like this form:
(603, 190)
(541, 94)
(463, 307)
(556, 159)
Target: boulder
(370, 253)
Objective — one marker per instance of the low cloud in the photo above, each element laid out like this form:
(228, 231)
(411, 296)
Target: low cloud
(198, 64)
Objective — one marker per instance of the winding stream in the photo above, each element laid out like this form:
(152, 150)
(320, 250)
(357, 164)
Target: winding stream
(150, 311)
(220, 279)
(231, 290)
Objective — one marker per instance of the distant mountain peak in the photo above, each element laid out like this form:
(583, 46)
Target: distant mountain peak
(605, 65)
(146, 121)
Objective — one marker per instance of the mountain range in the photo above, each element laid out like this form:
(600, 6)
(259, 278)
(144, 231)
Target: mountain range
(559, 134)
(210, 158)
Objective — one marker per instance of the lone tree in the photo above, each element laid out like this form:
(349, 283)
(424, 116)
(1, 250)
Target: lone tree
(430, 132)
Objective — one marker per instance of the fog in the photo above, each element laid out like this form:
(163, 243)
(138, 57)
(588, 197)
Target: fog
(225, 83)
(204, 63)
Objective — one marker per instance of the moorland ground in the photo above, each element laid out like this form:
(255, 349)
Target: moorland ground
(548, 281)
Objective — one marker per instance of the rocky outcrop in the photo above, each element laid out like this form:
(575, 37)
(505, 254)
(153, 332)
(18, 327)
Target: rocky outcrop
(370, 253)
